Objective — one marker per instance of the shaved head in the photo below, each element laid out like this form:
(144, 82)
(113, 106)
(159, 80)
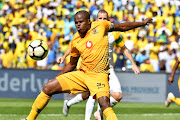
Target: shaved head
(83, 12)
(82, 22)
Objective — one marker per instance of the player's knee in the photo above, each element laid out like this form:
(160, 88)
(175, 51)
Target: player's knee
(46, 88)
(117, 96)
(50, 87)
(104, 102)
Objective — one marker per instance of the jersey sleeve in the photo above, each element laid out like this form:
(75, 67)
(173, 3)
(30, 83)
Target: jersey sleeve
(120, 41)
(74, 51)
(106, 25)
(179, 59)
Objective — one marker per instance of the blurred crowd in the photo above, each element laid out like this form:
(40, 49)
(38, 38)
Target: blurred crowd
(154, 47)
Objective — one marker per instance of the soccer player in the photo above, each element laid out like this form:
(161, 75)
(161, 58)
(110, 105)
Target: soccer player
(171, 97)
(115, 86)
(91, 43)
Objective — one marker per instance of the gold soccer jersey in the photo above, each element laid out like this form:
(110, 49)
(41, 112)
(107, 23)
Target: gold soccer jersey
(93, 48)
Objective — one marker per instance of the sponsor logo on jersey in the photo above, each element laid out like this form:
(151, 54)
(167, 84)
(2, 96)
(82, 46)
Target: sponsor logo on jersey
(89, 44)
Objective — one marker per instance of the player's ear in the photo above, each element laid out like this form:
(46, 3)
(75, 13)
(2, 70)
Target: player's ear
(89, 21)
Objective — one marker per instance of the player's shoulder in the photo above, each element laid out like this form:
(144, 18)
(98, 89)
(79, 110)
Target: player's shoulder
(102, 22)
(75, 37)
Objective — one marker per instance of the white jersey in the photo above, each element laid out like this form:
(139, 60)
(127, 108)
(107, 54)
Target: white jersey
(114, 83)
(113, 37)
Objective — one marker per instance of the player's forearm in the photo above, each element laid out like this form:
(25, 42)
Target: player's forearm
(174, 68)
(69, 67)
(128, 26)
(67, 52)
(129, 56)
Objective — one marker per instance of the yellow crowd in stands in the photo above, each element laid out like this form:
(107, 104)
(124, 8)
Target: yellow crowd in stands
(22, 21)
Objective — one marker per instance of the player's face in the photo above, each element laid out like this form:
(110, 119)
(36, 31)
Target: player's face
(82, 24)
(102, 16)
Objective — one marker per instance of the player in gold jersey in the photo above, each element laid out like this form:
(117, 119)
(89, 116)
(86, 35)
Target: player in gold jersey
(114, 84)
(91, 44)
(171, 97)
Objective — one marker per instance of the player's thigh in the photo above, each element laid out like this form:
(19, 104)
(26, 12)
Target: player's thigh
(97, 82)
(73, 82)
(114, 83)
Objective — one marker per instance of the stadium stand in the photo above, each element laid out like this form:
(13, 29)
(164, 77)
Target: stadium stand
(22, 21)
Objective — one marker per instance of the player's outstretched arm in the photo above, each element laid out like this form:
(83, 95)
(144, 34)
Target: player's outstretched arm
(131, 25)
(171, 78)
(129, 56)
(60, 60)
(70, 66)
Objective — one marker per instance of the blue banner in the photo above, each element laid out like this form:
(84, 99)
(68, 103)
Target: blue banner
(174, 86)
(25, 83)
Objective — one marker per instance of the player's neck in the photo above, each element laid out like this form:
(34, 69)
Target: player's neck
(82, 35)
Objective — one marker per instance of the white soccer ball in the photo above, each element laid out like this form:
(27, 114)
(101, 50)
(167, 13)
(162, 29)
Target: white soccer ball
(37, 50)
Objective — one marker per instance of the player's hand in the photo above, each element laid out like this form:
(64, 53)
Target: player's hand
(147, 20)
(60, 60)
(135, 69)
(170, 80)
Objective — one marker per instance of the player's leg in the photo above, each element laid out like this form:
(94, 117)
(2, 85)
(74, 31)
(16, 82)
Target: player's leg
(89, 107)
(104, 103)
(70, 82)
(50, 88)
(116, 93)
(115, 98)
(98, 114)
(78, 98)
(115, 88)
(98, 86)
(176, 100)
(171, 98)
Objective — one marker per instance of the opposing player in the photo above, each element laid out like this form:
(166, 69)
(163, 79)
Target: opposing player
(115, 86)
(91, 43)
(171, 97)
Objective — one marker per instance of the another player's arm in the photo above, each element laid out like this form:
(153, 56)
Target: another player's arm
(73, 60)
(129, 56)
(60, 60)
(70, 66)
(171, 78)
(130, 25)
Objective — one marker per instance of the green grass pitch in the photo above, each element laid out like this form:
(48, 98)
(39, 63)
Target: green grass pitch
(17, 109)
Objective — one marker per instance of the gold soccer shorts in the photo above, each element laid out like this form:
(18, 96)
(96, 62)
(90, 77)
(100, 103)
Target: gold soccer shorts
(80, 81)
